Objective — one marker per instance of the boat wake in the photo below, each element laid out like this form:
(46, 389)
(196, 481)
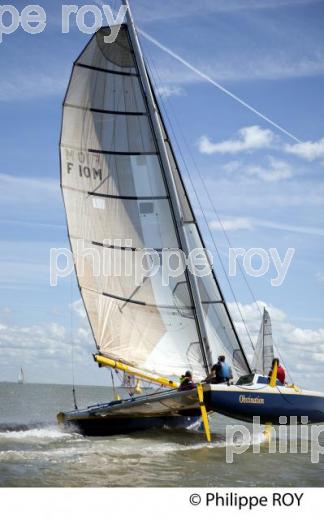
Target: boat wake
(29, 432)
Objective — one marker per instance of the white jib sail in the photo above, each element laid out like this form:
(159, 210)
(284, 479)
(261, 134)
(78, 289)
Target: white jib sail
(264, 353)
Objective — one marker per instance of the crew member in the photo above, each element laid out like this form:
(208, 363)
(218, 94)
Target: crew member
(221, 372)
(281, 374)
(186, 382)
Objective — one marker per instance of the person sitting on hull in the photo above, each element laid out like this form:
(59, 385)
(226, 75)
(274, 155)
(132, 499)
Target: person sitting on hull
(281, 374)
(186, 382)
(221, 372)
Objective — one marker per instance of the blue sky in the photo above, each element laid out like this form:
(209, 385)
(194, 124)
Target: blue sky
(267, 188)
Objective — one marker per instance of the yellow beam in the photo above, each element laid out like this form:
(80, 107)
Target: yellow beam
(273, 378)
(102, 360)
(267, 432)
(204, 415)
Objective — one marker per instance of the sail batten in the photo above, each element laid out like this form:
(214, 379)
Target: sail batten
(107, 71)
(110, 112)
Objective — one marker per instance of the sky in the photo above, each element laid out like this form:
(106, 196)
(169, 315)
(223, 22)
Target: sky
(246, 117)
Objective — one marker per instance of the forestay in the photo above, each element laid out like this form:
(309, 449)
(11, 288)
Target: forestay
(118, 205)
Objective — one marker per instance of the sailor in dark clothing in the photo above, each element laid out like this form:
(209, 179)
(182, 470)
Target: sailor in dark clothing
(221, 372)
(186, 382)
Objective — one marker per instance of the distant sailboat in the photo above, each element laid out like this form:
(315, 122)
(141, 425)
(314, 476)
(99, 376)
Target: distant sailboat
(21, 377)
(264, 353)
(124, 194)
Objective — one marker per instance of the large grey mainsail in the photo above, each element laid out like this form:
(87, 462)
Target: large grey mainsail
(118, 207)
(264, 354)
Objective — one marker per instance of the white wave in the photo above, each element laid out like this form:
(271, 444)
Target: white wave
(40, 434)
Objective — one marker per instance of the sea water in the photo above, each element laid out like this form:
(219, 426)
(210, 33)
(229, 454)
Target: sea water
(35, 451)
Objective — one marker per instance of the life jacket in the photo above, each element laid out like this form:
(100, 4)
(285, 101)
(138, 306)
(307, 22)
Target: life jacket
(281, 374)
(186, 384)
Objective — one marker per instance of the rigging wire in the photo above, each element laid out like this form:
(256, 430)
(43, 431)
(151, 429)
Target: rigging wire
(197, 196)
(207, 78)
(113, 381)
(72, 344)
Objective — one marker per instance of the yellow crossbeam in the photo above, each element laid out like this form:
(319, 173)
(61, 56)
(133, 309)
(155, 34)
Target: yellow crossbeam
(204, 415)
(102, 360)
(273, 382)
(273, 378)
(267, 432)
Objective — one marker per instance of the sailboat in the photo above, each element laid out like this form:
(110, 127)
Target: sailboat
(21, 377)
(125, 200)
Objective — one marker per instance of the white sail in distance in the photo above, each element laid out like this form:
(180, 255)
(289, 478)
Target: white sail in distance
(264, 352)
(21, 376)
(118, 202)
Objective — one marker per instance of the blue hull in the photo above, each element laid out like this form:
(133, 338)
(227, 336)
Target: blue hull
(244, 405)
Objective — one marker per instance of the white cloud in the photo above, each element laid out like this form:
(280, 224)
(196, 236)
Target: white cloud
(23, 274)
(309, 150)
(29, 189)
(44, 341)
(276, 171)
(146, 11)
(30, 201)
(231, 193)
(249, 138)
(232, 166)
(44, 349)
(320, 277)
(18, 86)
(78, 308)
(255, 138)
(302, 350)
(250, 223)
(231, 224)
(288, 227)
(167, 91)
(240, 66)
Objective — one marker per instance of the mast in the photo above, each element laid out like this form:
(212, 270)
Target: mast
(179, 219)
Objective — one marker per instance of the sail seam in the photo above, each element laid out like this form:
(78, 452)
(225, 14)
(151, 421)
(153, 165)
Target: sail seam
(108, 71)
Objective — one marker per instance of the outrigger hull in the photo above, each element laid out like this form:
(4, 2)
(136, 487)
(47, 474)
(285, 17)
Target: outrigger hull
(165, 410)
(107, 426)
